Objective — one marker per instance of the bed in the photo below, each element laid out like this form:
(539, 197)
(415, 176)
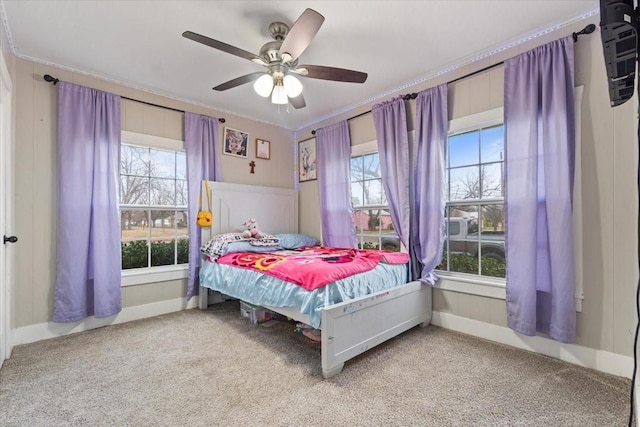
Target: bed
(349, 327)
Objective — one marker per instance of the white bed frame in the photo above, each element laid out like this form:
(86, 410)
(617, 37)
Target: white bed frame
(348, 328)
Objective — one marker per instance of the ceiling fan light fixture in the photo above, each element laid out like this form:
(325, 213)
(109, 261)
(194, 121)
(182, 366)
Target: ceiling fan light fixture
(292, 86)
(263, 85)
(279, 95)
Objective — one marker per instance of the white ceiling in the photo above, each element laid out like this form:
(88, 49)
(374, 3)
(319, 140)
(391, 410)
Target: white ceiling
(139, 44)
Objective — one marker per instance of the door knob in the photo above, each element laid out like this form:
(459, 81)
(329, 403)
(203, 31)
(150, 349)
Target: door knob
(11, 239)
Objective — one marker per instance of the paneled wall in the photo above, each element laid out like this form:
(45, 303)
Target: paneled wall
(36, 178)
(609, 195)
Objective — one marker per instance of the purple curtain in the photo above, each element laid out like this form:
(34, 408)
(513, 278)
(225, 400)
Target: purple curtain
(202, 144)
(334, 172)
(390, 120)
(429, 201)
(88, 264)
(539, 142)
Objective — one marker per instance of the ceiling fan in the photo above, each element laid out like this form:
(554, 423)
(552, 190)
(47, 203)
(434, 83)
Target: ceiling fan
(280, 57)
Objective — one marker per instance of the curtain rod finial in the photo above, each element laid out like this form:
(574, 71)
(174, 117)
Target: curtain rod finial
(586, 30)
(51, 79)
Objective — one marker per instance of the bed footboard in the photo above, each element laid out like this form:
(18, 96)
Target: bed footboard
(353, 327)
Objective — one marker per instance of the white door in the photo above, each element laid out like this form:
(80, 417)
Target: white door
(6, 197)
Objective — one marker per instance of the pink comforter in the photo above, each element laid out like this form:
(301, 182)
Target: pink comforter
(314, 266)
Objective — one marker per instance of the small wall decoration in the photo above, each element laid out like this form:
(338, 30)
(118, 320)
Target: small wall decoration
(235, 142)
(307, 160)
(263, 149)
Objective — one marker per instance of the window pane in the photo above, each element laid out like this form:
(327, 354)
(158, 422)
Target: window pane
(182, 224)
(134, 160)
(163, 224)
(163, 233)
(181, 193)
(134, 224)
(371, 221)
(464, 183)
(163, 252)
(463, 149)
(492, 238)
(163, 192)
(492, 144)
(370, 242)
(134, 190)
(463, 239)
(359, 220)
(493, 219)
(163, 163)
(135, 254)
(357, 194)
(385, 220)
(134, 229)
(181, 165)
(373, 192)
(371, 166)
(492, 180)
(390, 240)
(183, 251)
(356, 169)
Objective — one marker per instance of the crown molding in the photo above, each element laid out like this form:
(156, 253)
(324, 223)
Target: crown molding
(454, 66)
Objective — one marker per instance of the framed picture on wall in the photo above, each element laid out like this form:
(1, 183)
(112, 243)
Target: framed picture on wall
(235, 142)
(263, 149)
(307, 160)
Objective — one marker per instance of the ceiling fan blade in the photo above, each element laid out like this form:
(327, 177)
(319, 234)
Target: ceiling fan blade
(220, 45)
(298, 102)
(238, 81)
(331, 73)
(300, 35)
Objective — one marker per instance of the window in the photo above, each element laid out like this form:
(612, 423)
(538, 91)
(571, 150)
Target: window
(374, 229)
(153, 206)
(474, 216)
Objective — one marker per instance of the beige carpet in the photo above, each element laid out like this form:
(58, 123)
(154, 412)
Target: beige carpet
(205, 368)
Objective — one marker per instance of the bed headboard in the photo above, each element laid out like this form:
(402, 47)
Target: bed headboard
(275, 209)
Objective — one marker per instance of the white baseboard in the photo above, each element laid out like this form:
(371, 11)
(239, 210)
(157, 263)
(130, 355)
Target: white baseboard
(600, 360)
(41, 331)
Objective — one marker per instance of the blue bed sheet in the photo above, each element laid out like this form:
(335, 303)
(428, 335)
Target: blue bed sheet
(261, 289)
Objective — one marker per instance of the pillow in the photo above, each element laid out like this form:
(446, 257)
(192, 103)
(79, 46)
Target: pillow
(245, 246)
(295, 240)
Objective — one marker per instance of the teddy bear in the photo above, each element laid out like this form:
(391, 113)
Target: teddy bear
(252, 229)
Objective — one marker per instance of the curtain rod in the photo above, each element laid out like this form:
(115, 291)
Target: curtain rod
(51, 79)
(586, 30)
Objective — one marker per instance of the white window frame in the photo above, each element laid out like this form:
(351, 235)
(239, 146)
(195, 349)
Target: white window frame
(139, 276)
(493, 287)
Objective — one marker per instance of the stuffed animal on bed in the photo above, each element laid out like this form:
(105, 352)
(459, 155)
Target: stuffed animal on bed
(252, 229)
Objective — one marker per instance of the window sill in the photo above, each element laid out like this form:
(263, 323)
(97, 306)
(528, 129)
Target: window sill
(481, 286)
(140, 276)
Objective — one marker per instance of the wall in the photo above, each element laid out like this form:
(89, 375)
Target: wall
(36, 178)
(609, 192)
